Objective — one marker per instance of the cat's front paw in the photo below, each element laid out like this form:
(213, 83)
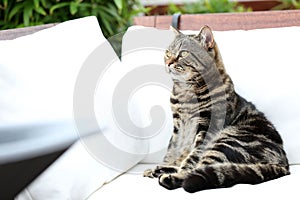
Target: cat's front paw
(159, 170)
(171, 181)
(148, 173)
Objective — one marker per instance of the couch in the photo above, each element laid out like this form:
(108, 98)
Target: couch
(115, 113)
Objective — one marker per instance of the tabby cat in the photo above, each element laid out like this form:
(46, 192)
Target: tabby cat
(219, 138)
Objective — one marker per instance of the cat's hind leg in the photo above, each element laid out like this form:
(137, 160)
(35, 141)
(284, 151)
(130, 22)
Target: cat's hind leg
(171, 181)
(229, 174)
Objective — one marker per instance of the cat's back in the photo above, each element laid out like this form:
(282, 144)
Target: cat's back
(253, 125)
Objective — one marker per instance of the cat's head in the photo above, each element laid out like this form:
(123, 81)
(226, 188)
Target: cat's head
(190, 56)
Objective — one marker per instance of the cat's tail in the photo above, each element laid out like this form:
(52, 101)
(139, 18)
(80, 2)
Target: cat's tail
(229, 174)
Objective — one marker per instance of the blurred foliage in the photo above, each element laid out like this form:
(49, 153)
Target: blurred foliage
(207, 6)
(288, 4)
(114, 16)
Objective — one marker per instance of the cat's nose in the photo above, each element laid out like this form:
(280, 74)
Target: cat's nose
(169, 62)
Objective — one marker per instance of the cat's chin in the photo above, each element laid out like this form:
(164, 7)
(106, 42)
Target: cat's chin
(167, 69)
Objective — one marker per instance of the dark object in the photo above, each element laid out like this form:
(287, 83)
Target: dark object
(17, 175)
(176, 20)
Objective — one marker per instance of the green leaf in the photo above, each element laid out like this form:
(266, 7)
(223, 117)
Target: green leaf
(73, 8)
(14, 11)
(36, 3)
(44, 3)
(110, 10)
(5, 2)
(26, 15)
(57, 6)
(119, 4)
(105, 20)
(40, 10)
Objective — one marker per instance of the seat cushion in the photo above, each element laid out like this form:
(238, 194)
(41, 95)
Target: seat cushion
(133, 185)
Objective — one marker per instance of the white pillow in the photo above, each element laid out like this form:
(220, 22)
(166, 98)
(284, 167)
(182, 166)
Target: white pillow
(37, 78)
(38, 71)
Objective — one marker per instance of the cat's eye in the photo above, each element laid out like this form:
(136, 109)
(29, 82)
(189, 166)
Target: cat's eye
(184, 54)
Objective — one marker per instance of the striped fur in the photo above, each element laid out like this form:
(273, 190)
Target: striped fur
(219, 138)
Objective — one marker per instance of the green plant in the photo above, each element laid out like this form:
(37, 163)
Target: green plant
(207, 6)
(288, 4)
(113, 16)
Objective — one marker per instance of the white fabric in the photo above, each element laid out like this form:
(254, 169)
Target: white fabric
(37, 77)
(38, 71)
(75, 175)
(133, 185)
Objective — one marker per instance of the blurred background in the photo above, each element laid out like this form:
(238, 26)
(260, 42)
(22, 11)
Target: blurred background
(116, 16)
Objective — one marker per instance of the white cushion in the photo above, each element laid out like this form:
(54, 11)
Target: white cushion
(133, 185)
(37, 79)
(38, 71)
(75, 175)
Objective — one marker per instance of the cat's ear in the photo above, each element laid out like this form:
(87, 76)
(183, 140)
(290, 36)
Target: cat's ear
(175, 30)
(206, 37)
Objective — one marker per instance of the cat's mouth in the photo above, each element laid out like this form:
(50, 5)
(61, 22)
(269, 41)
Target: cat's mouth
(167, 67)
(170, 68)
(174, 68)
